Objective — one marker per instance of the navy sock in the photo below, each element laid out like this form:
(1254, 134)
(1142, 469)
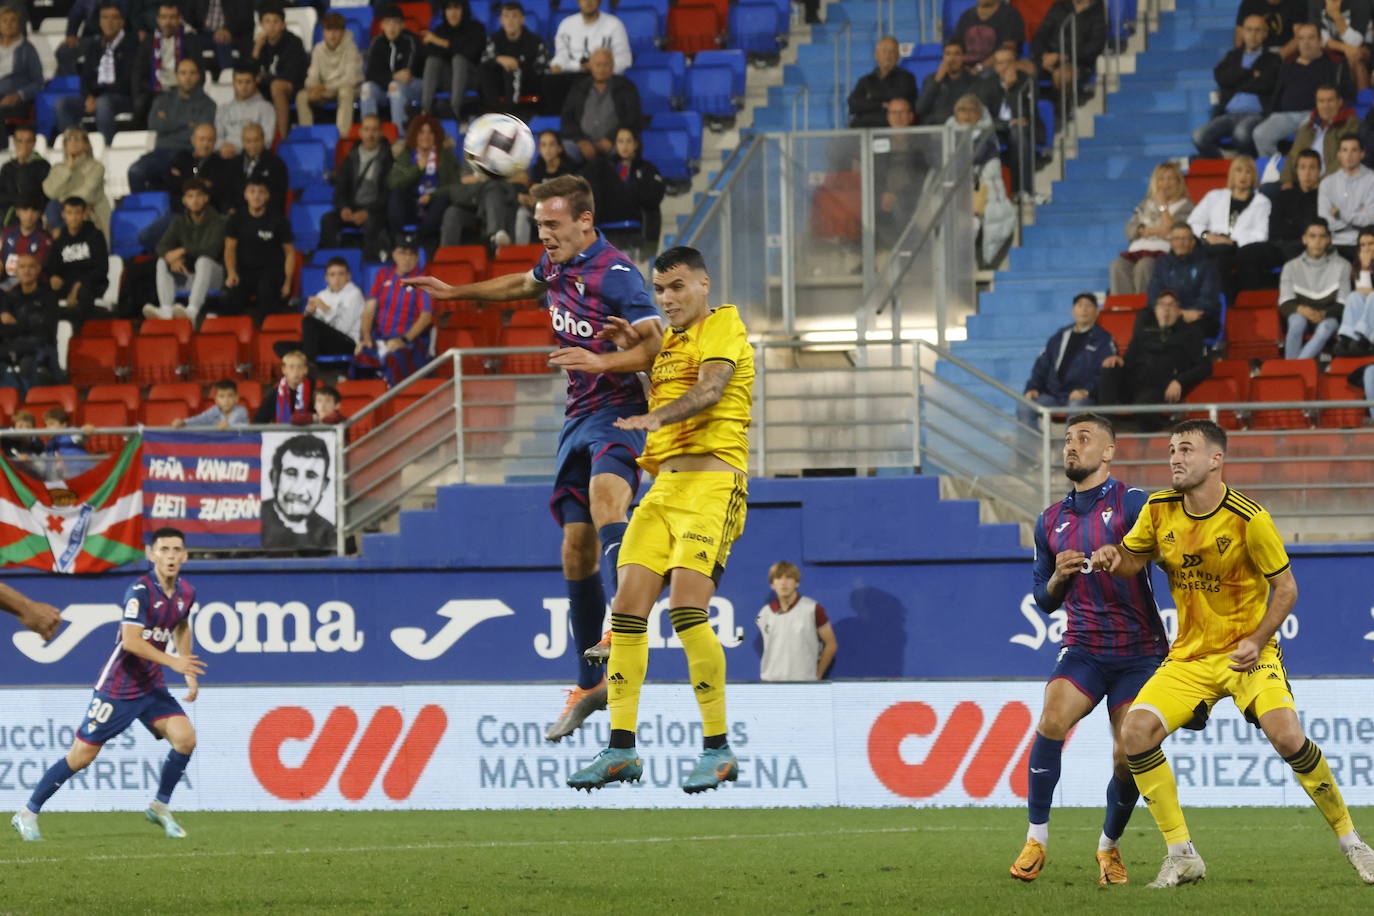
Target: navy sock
(49, 783)
(1122, 794)
(588, 610)
(611, 535)
(172, 768)
(1043, 777)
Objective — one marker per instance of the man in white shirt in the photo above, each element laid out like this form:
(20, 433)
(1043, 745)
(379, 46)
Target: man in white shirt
(333, 317)
(1345, 198)
(247, 107)
(586, 31)
(798, 640)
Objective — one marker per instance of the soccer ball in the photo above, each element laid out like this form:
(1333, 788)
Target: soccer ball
(499, 145)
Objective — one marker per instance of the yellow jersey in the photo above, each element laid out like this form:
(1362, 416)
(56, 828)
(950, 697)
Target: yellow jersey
(722, 429)
(1219, 566)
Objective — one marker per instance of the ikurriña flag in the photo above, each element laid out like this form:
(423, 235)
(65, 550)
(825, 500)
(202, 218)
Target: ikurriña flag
(87, 524)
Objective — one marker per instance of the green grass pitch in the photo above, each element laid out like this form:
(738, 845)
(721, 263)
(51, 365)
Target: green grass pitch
(646, 862)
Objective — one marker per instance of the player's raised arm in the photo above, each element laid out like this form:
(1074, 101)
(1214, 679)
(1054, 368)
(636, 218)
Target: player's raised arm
(185, 647)
(131, 638)
(497, 289)
(41, 618)
(710, 385)
(639, 343)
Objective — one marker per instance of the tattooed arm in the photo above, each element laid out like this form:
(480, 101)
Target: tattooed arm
(714, 376)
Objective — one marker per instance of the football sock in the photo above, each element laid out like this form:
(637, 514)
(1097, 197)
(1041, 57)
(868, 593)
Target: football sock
(1039, 832)
(172, 768)
(1122, 795)
(1155, 780)
(611, 535)
(705, 665)
(1314, 773)
(1045, 756)
(1105, 843)
(587, 607)
(625, 672)
(1348, 840)
(49, 783)
(1185, 848)
(713, 742)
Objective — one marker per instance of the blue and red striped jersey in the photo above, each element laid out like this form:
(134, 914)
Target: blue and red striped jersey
(126, 676)
(398, 307)
(580, 295)
(1106, 615)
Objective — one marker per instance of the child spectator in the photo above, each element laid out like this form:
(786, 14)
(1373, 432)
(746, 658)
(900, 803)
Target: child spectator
(293, 394)
(23, 446)
(327, 401)
(27, 237)
(798, 641)
(333, 317)
(68, 443)
(226, 411)
(628, 191)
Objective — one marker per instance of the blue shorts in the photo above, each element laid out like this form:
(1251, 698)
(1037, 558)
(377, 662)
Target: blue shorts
(591, 445)
(1118, 678)
(107, 717)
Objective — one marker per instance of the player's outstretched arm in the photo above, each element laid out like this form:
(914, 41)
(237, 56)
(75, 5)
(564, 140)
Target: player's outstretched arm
(185, 647)
(43, 619)
(711, 381)
(497, 289)
(638, 345)
(132, 641)
(1118, 561)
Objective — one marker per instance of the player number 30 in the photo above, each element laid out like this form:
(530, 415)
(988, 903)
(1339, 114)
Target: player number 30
(100, 711)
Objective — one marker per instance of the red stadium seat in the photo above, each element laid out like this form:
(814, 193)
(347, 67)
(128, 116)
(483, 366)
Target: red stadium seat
(1252, 333)
(266, 363)
(214, 357)
(92, 360)
(476, 255)
(527, 363)
(484, 323)
(1199, 185)
(1238, 369)
(1120, 325)
(9, 401)
(241, 326)
(188, 393)
(1278, 388)
(529, 253)
(1209, 167)
(104, 414)
(162, 413)
(693, 27)
(128, 395)
(1257, 298)
(283, 322)
(1124, 303)
(353, 405)
(250, 395)
(462, 339)
(1216, 391)
(417, 16)
(1332, 387)
(120, 330)
(413, 394)
(370, 388)
(157, 359)
(180, 328)
(458, 273)
(1344, 365)
(1305, 369)
(63, 396)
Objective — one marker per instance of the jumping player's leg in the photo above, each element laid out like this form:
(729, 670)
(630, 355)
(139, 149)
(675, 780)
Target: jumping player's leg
(688, 598)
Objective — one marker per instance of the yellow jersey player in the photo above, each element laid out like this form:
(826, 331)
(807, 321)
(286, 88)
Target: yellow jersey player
(1231, 579)
(698, 450)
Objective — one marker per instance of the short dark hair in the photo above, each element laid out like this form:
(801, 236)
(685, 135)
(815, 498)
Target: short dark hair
(1327, 87)
(950, 43)
(26, 127)
(1210, 431)
(225, 384)
(1096, 419)
(260, 182)
(244, 67)
(333, 21)
(173, 4)
(512, 5)
(305, 445)
(272, 9)
(679, 255)
(337, 262)
(75, 202)
(195, 184)
(391, 11)
(167, 531)
(575, 189)
(1310, 153)
(1091, 297)
(1172, 294)
(1351, 139)
(109, 4)
(1317, 221)
(29, 202)
(330, 390)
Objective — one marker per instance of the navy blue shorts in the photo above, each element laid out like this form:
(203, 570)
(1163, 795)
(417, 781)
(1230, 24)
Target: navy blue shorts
(591, 445)
(1118, 678)
(107, 717)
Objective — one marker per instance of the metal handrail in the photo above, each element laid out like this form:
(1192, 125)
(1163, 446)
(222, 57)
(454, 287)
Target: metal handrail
(1068, 96)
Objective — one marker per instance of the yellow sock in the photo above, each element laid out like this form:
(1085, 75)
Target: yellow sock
(705, 666)
(1314, 773)
(1156, 783)
(626, 669)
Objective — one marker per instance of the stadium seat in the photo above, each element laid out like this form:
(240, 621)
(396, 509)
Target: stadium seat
(1216, 391)
(757, 29)
(1199, 185)
(9, 403)
(1336, 387)
(530, 253)
(312, 280)
(125, 225)
(643, 26)
(370, 388)
(1120, 325)
(120, 330)
(1252, 333)
(241, 326)
(476, 255)
(529, 319)
(92, 360)
(414, 392)
(693, 27)
(1266, 389)
(305, 224)
(527, 363)
(283, 322)
(483, 323)
(128, 395)
(320, 258)
(156, 359)
(250, 395)
(319, 193)
(835, 207)
(64, 396)
(103, 414)
(188, 393)
(300, 21)
(1305, 369)
(307, 162)
(418, 16)
(1257, 298)
(670, 151)
(180, 328)
(1213, 167)
(1124, 303)
(266, 363)
(710, 90)
(656, 90)
(1238, 369)
(160, 201)
(214, 356)
(162, 413)
(454, 274)
(461, 339)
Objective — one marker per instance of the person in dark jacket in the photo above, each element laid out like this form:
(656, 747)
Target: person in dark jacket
(1191, 276)
(179, 109)
(224, 26)
(1066, 372)
(1295, 94)
(1246, 78)
(155, 62)
(281, 61)
(513, 63)
(78, 263)
(360, 190)
(107, 73)
(950, 83)
(1323, 130)
(1293, 211)
(258, 163)
(423, 168)
(628, 191)
(987, 26)
(200, 160)
(869, 98)
(1057, 62)
(1165, 360)
(450, 53)
(259, 257)
(22, 176)
(83, 22)
(598, 105)
(1012, 106)
(389, 70)
(24, 79)
(28, 330)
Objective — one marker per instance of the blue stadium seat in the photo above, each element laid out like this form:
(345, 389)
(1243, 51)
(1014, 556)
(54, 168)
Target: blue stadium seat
(658, 6)
(368, 275)
(644, 28)
(159, 201)
(125, 225)
(328, 134)
(354, 257)
(655, 85)
(921, 69)
(307, 161)
(312, 281)
(756, 28)
(305, 224)
(952, 10)
(673, 61)
(317, 192)
(544, 122)
(736, 60)
(689, 121)
(710, 91)
(669, 150)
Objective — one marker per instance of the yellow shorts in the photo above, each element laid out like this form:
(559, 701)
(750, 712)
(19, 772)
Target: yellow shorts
(1175, 690)
(687, 520)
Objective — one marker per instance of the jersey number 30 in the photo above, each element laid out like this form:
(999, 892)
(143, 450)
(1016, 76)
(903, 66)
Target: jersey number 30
(100, 711)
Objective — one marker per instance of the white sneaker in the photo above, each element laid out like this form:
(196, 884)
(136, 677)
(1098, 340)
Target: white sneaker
(1362, 857)
(501, 238)
(179, 311)
(1179, 870)
(28, 827)
(154, 311)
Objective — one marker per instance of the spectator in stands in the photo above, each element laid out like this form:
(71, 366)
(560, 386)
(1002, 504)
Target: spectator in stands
(83, 21)
(1355, 336)
(987, 26)
(27, 236)
(1192, 277)
(281, 62)
(396, 318)
(390, 69)
(200, 160)
(332, 325)
(26, 447)
(335, 73)
(1344, 27)
(28, 329)
(994, 215)
(224, 26)
(258, 163)
(1246, 78)
(1165, 360)
(1166, 204)
(550, 163)
(327, 401)
(947, 85)
(78, 263)
(1065, 373)
(155, 62)
(175, 114)
(190, 256)
(360, 190)
(423, 167)
(1312, 291)
(450, 53)
(1056, 62)
(259, 257)
(798, 641)
(293, 393)
(899, 174)
(246, 107)
(69, 444)
(1330, 123)
(872, 93)
(22, 175)
(490, 204)
(1013, 109)
(21, 72)
(1293, 211)
(628, 191)
(107, 65)
(1345, 198)
(513, 62)
(597, 106)
(1227, 219)
(225, 413)
(1296, 93)
(1279, 17)
(79, 174)
(586, 31)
